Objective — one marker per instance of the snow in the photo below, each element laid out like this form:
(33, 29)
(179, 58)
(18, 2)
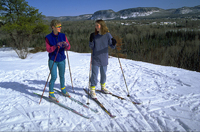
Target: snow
(136, 14)
(170, 96)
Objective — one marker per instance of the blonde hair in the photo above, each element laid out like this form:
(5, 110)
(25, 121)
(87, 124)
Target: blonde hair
(104, 28)
(55, 22)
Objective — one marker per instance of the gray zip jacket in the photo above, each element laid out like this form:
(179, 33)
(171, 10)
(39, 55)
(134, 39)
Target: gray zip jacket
(99, 45)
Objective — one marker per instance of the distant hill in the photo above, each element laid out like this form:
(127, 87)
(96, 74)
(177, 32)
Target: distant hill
(134, 13)
(70, 18)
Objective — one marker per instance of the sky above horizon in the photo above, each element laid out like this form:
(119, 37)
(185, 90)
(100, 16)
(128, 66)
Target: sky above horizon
(58, 8)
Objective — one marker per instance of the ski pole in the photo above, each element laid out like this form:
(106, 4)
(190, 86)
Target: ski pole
(122, 72)
(49, 74)
(89, 76)
(70, 70)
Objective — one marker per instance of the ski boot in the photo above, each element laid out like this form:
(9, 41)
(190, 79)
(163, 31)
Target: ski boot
(52, 97)
(92, 92)
(104, 89)
(64, 92)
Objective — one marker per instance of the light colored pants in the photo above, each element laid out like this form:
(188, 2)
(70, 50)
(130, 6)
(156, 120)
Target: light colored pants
(61, 69)
(95, 71)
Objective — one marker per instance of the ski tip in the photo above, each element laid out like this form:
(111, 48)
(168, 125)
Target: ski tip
(112, 116)
(53, 100)
(136, 103)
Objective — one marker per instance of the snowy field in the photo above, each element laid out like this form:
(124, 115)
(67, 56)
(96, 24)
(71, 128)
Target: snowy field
(170, 96)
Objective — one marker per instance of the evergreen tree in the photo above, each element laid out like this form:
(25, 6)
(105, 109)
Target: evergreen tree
(21, 22)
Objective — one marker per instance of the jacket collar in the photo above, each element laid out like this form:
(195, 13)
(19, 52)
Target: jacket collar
(54, 34)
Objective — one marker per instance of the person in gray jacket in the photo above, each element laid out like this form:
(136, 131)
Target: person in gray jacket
(99, 42)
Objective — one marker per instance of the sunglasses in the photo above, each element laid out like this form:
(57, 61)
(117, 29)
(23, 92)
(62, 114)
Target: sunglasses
(58, 26)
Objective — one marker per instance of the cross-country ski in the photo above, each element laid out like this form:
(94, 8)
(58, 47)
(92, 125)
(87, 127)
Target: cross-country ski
(62, 105)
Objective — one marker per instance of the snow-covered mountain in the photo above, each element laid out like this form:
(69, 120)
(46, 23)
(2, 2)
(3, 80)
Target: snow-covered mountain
(124, 14)
(138, 12)
(187, 10)
(132, 13)
(104, 14)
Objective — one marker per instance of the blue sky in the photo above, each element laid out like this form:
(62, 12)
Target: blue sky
(79, 7)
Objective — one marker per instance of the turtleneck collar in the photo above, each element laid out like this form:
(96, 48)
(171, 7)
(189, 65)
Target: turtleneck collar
(54, 35)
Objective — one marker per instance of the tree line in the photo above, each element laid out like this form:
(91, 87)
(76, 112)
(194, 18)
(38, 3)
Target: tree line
(170, 45)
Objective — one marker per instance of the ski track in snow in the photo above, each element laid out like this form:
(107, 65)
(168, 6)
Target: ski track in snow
(169, 96)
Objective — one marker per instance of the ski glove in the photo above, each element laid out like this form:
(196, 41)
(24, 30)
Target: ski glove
(65, 45)
(114, 42)
(62, 44)
(59, 44)
(91, 37)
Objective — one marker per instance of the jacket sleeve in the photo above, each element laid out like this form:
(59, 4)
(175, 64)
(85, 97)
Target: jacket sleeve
(49, 48)
(110, 41)
(67, 48)
(91, 45)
